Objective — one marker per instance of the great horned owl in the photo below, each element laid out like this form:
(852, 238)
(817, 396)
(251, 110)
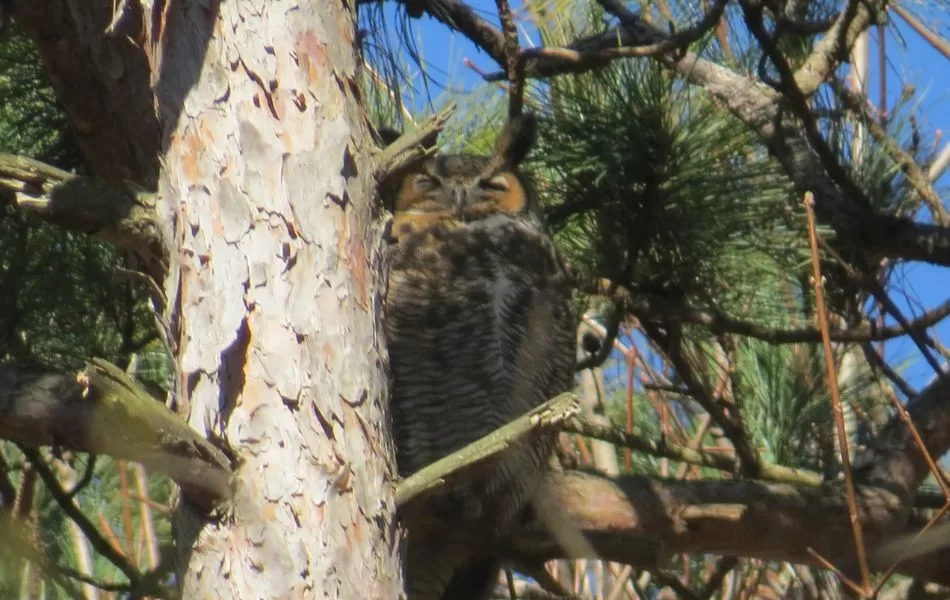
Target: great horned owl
(479, 325)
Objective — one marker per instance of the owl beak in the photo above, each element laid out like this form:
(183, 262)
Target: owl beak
(459, 198)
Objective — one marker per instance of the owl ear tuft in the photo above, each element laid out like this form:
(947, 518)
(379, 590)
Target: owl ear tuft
(516, 141)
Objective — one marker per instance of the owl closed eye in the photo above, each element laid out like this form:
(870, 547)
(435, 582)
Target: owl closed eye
(460, 188)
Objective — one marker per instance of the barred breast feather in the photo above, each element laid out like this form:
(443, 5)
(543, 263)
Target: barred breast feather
(479, 327)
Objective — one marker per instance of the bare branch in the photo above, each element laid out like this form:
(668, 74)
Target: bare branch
(647, 306)
(937, 41)
(684, 454)
(459, 16)
(545, 418)
(65, 501)
(832, 380)
(589, 53)
(115, 213)
(412, 147)
(513, 60)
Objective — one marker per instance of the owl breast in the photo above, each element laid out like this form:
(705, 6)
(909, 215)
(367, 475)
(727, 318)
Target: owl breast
(479, 327)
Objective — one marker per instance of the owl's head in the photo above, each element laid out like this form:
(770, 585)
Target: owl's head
(468, 187)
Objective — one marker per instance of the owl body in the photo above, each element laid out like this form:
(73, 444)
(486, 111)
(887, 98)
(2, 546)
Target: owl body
(480, 330)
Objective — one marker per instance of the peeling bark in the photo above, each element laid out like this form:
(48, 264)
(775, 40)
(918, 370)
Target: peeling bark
(248, 121)
(274, 285)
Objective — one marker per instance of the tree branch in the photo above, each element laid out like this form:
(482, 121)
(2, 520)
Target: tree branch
(765, 111)
(412, 147)
(545, 418)
(893, 457)
(65, 501)
(835, 46)
(730, 518)
(646, 306)
(102, 411)
(101, 75)
(112, 212)
(460, 17)
(623, 439)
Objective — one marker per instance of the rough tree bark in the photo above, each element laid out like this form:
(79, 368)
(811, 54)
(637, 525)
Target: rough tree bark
(247, 119)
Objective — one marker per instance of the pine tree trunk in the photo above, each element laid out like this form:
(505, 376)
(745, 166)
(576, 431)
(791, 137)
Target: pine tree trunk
(274, 271)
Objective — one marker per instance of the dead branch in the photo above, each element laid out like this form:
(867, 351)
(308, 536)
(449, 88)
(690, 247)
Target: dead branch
(412, 147)
(545, 418)
(119, 214)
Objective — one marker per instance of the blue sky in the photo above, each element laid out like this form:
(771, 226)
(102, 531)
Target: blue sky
(911, 61)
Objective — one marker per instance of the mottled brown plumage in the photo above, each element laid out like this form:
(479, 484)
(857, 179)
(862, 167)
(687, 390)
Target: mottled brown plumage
(480, 330)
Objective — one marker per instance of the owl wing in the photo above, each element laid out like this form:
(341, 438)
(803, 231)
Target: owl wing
(480, 330)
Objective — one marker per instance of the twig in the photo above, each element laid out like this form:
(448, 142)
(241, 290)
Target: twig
(836, 397)
(908, 551)
(545, 418)
(588, 53)
(65, 502)
(513, 59)
(938, 42)
(875, 359)
(662, 448)
(880, 294)
(841, 576)
(648, 306)
(673, 582)
(731, 427)
(86, 478)
(725, 564)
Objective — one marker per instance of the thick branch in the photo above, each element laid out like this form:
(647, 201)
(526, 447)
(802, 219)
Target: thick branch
(112, 212)
(836, 45)
(103, 411)
(646, 306)
(731, 518)
(101, 74)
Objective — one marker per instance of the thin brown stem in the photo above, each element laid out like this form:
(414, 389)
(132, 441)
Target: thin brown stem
(513, 59)
(938, 42)
(836, 397)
